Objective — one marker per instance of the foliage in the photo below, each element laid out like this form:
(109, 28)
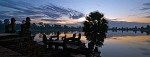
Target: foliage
(95, 23)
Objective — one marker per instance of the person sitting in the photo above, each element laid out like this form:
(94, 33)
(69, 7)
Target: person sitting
(79, 37)
(74, 35)
(44, 39)
(57, 36)
(64, 38)
(72, 38)
(77, 40)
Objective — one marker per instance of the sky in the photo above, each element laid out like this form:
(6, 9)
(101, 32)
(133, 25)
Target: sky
(74, 11)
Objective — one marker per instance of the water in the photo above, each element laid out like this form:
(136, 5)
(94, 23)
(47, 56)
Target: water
(126, 44)
(117, 44)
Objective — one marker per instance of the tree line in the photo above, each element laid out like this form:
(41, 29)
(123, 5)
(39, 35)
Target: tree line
(134, 28)
(38, 26)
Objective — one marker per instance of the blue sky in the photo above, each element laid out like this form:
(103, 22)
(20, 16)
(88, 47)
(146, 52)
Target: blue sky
(116, 10)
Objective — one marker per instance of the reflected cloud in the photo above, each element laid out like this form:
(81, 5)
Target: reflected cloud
(144, 49)
(146, 53)
(117, 38)
(148, 41)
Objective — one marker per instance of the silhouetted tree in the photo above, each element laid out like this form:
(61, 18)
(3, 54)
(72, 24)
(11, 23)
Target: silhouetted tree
(95, 28)
(95, 23)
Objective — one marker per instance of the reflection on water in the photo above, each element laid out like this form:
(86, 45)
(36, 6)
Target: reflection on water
(38, 36)
(125, 33)
(126, 46)
(117, 44)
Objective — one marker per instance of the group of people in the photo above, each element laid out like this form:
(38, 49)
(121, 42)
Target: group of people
(73, 38)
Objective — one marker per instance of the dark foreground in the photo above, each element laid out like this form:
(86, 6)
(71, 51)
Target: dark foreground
(14, 45)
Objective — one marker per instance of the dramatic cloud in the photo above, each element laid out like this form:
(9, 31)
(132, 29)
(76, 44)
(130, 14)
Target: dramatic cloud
(49, 11)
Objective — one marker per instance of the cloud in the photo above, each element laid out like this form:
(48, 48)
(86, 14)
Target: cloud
(53, 20)
(146, 9)
(57, 21)
(147, 16)
(146, 6)
(18, 5)
(48, 11)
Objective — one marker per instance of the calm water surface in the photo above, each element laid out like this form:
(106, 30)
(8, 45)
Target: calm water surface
(117, 44)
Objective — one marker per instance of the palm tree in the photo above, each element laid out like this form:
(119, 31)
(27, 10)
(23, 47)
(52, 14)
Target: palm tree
(95, 23)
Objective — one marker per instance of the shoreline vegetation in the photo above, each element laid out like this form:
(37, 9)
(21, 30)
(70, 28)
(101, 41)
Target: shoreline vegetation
(67, 28)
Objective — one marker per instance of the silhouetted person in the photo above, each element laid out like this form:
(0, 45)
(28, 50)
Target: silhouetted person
(72, 38)
(44, 39)
(64, 42)
(6, 22)
(74, 35)
(64, 38)
(79, 36)
(78, 39)
(13, 25)
(58, 33)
